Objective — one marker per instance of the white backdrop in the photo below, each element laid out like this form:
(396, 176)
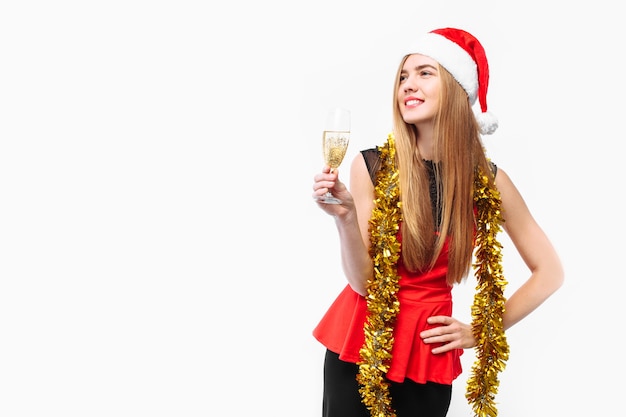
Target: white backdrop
(160, 254)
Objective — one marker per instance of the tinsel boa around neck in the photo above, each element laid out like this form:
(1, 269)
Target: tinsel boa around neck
(492, 349)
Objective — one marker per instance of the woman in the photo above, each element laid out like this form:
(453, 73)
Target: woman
(421, 209)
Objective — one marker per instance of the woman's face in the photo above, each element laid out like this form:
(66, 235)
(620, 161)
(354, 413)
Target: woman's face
(418, 91)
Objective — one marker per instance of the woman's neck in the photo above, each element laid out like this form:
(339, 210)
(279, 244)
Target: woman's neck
(425, 142)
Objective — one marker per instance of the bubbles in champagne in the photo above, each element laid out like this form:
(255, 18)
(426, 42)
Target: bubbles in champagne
(335, 145)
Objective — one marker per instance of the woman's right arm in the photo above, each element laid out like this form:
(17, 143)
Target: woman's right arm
(352, 220)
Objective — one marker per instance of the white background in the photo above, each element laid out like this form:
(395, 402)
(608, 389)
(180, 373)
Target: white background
(160, 254)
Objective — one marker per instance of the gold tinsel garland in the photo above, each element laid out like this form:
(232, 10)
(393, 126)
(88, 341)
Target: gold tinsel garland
(382, 294)
(492, 349)
(382, 289)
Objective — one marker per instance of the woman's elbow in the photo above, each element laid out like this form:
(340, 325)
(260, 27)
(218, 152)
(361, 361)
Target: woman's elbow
(555, 276)
(359, 289)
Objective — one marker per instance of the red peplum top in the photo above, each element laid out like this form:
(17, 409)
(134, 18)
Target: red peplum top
(421, 295)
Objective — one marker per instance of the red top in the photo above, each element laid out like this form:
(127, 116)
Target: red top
(421, 295)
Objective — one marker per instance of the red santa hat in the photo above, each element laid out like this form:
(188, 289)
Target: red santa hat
(462, 55)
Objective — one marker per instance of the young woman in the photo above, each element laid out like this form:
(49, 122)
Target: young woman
(421, 210)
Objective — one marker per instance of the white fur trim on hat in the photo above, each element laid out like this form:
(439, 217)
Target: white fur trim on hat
(453, 58)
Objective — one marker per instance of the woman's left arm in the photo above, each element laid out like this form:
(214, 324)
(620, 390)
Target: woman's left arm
(535, 249)
(546, 273)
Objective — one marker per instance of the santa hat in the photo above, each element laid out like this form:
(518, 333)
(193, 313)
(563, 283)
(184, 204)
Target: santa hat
(461, 54)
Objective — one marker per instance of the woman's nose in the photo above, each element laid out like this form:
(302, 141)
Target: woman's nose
(409, 85)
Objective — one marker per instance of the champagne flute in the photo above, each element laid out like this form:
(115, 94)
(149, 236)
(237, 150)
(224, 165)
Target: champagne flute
(335, 141)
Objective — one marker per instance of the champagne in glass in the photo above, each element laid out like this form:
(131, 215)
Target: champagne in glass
(334, 144)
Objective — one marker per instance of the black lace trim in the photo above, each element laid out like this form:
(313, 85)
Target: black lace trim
(372, 161)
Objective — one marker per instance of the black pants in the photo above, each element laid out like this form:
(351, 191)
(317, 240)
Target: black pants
(409, 399)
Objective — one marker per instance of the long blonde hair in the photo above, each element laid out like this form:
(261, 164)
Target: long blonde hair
(458, 152)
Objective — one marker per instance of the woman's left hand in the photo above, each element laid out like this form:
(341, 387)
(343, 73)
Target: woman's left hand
(450, 334)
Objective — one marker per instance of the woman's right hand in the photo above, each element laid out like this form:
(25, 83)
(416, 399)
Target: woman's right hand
(327, 181)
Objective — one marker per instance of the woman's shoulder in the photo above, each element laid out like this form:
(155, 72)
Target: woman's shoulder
(372, 161)
(506, 187)
(371, 154)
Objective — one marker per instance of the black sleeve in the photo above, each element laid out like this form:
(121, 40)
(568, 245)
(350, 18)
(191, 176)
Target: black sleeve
(372, 161)
(494, 168)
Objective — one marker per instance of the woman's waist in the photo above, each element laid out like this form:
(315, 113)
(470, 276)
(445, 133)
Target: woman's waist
(424, 293)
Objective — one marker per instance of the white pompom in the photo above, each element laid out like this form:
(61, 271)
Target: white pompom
(487, 122)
